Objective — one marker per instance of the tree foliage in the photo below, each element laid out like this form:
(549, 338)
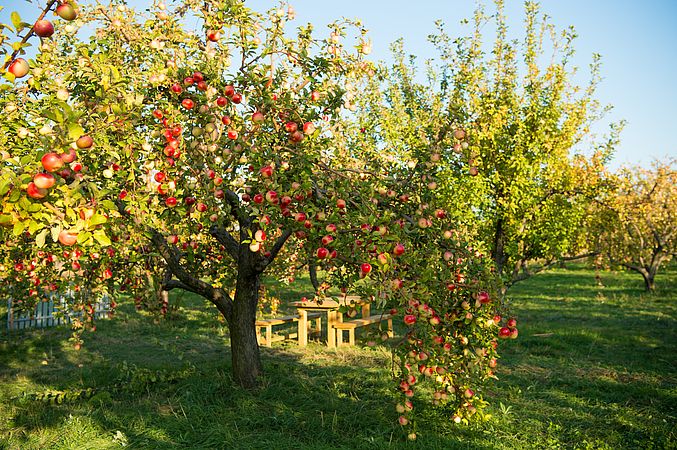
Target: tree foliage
(636, 227)
(528, 125)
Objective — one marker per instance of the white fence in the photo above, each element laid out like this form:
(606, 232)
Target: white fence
(44, 314)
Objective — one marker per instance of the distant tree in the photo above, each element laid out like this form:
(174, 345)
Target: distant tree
(636, 227)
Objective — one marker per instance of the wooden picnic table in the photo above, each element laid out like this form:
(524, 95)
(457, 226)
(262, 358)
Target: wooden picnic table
(331, 306)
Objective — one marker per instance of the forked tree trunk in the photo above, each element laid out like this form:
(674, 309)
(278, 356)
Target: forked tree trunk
(498, 247)
(649, 284)
(244, 347)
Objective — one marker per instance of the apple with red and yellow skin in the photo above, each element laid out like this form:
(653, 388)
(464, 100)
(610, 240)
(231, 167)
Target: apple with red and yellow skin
(322, 253)
(213, 35)
(69, 156)
(44, 180)
(504, 333)
(68, 238)
(398, 250)
(66, 11)
(35, 192)
(484, 297)
(43, 28)
(52, 162)
(266, 171)
(84, 142)
(19, 68)
(308, 128)
(86, 213)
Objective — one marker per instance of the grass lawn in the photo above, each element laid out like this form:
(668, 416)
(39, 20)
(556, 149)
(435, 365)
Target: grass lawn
(594, 367)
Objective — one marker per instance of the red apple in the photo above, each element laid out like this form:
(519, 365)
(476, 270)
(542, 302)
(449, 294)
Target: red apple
(67, 238)
(43, 28)
(221, 102)
(365, 268)
(266, 171)
(187, 103)
(398, 250)
(296, 136)
(229, 91)
(341, 204)
(69, 156)
(213, 35)
(176, 88)
(36, 192)
(504, 333)
(52, 162)
(258, 198)
(236, 98)
(322, 253)
(291, 127)
(271, 197)
(308, 128)
(18, 68)
(44, 180)
(512, 322)
(409, 319)
(257, 117)
(171, 201)
(232, 134)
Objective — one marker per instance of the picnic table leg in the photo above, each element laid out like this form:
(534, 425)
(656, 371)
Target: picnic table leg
(303, 327)
(332, 318)
(366, 310)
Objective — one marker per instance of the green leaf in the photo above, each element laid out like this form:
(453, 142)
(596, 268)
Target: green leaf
(16, 20)
(97, 219)
(101, 237)
(34, 226)
(14, 196)
(40, 238)
(18, 228)
(56, 229)
(75, 131)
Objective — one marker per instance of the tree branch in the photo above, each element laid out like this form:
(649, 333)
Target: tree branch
(279, 243)
(227, 240)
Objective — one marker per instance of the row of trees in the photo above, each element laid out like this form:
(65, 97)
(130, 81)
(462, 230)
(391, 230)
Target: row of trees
(150, 157)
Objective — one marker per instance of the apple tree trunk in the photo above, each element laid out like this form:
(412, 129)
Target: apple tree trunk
(245, 355)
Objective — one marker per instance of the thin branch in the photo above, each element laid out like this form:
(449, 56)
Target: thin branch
(226, 239)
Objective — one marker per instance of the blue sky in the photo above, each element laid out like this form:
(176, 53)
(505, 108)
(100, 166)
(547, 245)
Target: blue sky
(637, 41)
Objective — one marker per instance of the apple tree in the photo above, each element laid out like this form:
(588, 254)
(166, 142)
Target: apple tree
(150, 157)
(635, 226)
(512, 123)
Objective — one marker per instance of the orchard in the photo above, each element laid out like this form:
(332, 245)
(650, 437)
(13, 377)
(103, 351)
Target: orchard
(149, 158)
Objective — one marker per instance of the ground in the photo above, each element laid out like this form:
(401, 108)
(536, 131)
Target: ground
(594, 367)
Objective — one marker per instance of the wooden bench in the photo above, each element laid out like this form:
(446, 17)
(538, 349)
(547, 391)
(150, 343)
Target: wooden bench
(268, 325)
(353, 324)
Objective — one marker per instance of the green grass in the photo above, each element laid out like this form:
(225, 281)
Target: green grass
(594, 367)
